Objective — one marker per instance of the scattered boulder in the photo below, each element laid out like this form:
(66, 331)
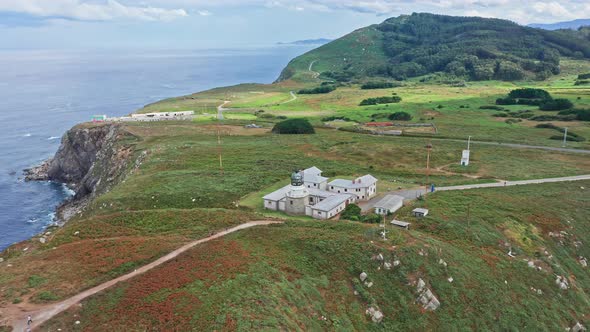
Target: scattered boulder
(77, 233)
(363, 276)
(583, 261)
(450, 279)
(387, 265)
(578, 327)
(442, 262)
(42, 240)
(562, 282)
(369, 284)
(531, 264)
(375, 314)
(396, 262)
(1, 260)
(425, 297)
(378, 257)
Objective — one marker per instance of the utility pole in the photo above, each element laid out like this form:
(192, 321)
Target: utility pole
(565, 137)
(469, 143)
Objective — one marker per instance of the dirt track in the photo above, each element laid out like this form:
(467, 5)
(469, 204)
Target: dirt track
(17, 316)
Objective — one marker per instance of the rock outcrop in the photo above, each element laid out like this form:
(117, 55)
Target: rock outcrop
(90, 160)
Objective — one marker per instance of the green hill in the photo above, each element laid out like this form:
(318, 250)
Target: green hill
(468, 47)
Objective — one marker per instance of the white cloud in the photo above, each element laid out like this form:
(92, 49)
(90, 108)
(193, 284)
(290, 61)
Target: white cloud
(204, 13)
(91, 11)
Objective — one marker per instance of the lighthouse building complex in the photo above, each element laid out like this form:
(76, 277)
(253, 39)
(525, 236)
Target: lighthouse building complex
(311, 194)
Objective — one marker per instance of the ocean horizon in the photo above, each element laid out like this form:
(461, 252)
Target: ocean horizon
(44, 93)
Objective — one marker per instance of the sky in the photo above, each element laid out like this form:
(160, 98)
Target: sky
(86, 24)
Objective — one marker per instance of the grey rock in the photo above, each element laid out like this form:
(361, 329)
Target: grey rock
(363, 276)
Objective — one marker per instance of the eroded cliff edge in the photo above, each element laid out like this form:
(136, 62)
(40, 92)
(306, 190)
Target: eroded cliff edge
(92, 159)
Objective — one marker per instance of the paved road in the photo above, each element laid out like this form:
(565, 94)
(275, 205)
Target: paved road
(411, 194)
(44, 313)
(220, 110)
(519, 146)
(514, 183)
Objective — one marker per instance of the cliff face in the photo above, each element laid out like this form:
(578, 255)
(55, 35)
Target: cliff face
(90, 160)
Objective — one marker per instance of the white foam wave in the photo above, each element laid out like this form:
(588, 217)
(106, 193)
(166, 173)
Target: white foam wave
(69, 192)
(52, 138)
(27, 135)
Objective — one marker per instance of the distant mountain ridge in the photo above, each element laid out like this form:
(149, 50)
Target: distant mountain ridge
(472, 48)
(573, 25)
(319, 41)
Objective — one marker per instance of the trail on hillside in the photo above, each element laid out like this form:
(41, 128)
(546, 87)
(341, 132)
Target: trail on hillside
(17, 315)
(315, 74)
(293, 98)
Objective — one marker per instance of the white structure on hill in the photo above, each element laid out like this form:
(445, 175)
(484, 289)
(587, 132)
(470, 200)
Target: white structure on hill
(364, 187)
(466, 153)
(389, 204)
(161, 116)
(309, 194)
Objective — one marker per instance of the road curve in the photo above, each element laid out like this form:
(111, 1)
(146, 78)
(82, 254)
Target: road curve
(43, 314)
(220, 110)
(293, 98)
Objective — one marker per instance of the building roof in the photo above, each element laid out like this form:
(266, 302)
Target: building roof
(420, 210)
(312, 171)
(331, 202)
(389, 202)
(278, 195)
(313, 175)
(321, 193)
(362, 182)
(400, 223)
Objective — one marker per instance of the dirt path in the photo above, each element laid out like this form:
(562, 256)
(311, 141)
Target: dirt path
(315, 74)
(17, 316)
(293, 98)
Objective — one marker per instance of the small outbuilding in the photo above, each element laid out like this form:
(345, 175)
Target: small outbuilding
(389, 204)
(401, 224)
(420, 212)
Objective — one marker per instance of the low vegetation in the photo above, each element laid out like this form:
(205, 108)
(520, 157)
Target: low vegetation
(380, 100)
(379, 85)
(318, 90)
(293, 126)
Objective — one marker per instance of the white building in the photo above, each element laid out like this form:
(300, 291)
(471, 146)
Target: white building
(161, 116)
(364, 187)
(389, 204)
(309, 194)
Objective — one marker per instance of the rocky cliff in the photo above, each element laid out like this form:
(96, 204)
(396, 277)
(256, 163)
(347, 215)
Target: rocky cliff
(90, 160)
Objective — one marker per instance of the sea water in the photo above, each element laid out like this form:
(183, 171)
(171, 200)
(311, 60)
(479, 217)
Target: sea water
(44, 93)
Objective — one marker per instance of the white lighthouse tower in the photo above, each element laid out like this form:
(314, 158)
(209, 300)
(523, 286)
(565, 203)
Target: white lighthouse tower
(466, 154)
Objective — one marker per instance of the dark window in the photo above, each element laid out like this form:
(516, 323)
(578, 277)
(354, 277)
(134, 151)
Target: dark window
(291, 202)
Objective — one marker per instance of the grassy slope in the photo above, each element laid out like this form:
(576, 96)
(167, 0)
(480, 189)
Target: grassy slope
(289, 277)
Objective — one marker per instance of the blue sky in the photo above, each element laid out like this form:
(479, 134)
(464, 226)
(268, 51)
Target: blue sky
(233, 23)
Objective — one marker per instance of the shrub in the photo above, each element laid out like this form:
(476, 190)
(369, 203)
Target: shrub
(400, 116)
(47, 296)
(332, 118)
(351, 212)
(380, 100)
(501, 115)
(491, 107)
(547, 126)
(372, 218)
(293, 126)
(506, 101)
(512, 121)
(570, 138)
(580, 114)
(582, 82)
(584, 76)
(529, 93)
(318, 90)
(35, 280)
(556, 105)
(379, 85)
(554, 118)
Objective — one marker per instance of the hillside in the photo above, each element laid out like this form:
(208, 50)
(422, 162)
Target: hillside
(468, 47)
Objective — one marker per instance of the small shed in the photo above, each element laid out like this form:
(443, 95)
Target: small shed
(401, 224)
(389, 204)
(420, 212)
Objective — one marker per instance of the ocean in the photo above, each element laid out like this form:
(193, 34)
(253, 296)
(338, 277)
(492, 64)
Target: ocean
(44, 93)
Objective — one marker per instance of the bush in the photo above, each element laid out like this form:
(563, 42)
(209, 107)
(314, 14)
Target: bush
(580, 114)
(318, 90)
(47, 296)
(582, 82)
(35, 280)
(554, 118)
(380, 100)
(506, 101)
(556, 105)
(547, 126)
(529, 93)
(379, 85)
(570, 138)
(490, 107)
(372, 218)
(351, 212)
(584, 76)
(400, 116)
(293, 126)
(501, 115)
(332, 118)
